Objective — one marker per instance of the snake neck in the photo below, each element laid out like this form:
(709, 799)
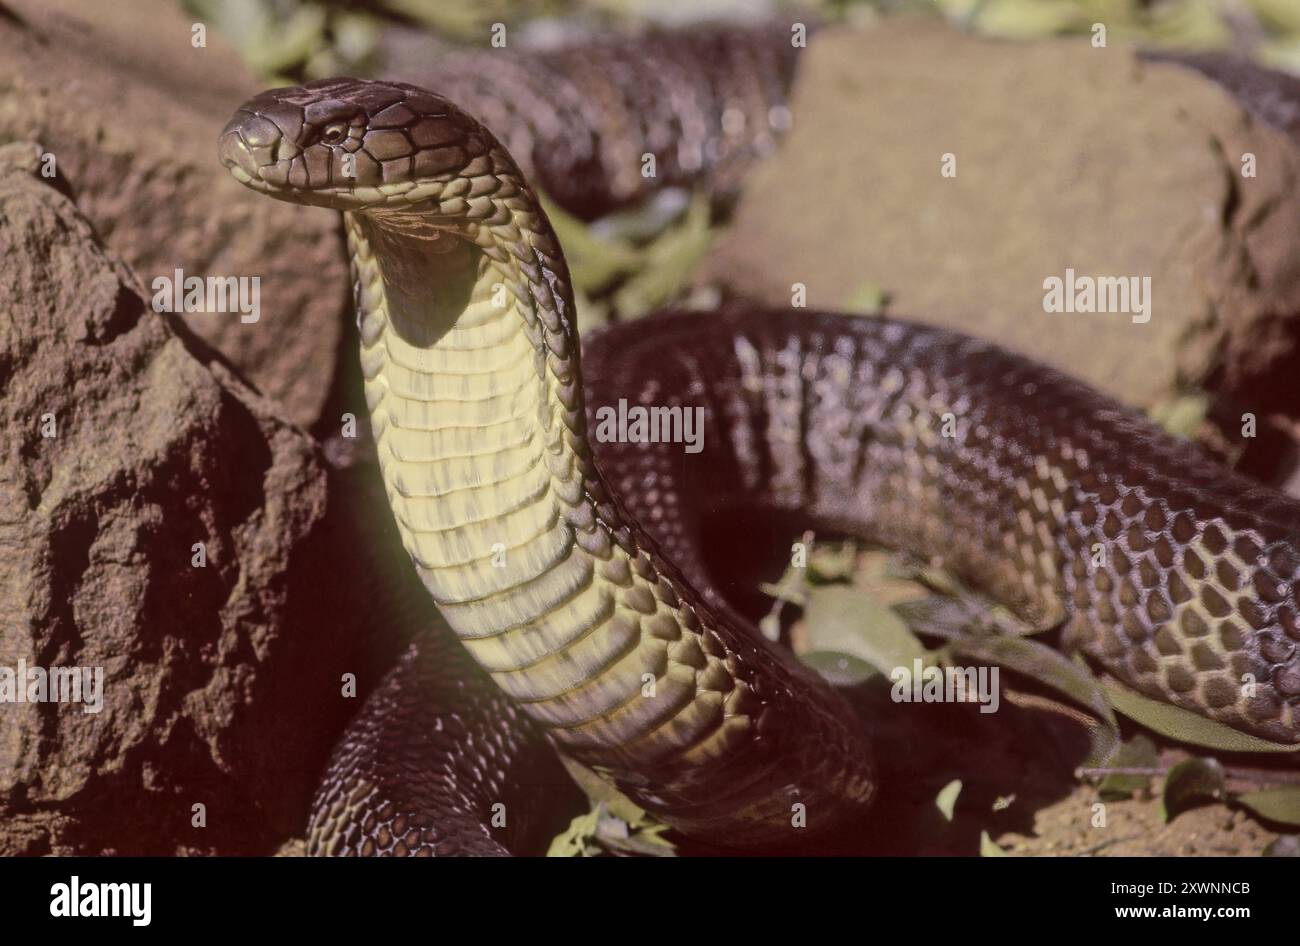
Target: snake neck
(475, 409)
(475, 396)
(478, 417)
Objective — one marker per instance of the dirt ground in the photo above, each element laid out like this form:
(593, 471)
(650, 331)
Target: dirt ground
(1133, 828)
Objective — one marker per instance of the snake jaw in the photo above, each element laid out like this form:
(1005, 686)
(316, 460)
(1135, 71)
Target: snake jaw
(273, 179)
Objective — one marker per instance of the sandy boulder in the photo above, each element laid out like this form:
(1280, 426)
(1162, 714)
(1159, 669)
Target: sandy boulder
(159, 525)
(1059, 157)
(130, 109)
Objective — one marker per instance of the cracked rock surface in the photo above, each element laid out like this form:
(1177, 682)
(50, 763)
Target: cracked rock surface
(128, 448)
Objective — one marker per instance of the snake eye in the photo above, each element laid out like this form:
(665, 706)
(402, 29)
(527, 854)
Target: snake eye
(334, 133)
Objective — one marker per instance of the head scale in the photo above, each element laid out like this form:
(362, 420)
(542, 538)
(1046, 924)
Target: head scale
(350, 144)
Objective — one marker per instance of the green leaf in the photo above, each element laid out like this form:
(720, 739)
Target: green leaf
(1052, 669)
(956, 611)
(789, 589)
(868, 298)
(941, 581)
(615, 834)
(1174, 722)
(355, 36)
(463, 19)
(602, 792)
(843, 619)
(614, 823)
(668, 262)
(1136, 753)
(1027, 18)
(829, 563)
(841, 670)
(645, 221)
(1183, 415)
(988, 848)
(938, 616)
(946, 800)
(1044, 664)
(1280, 15)
(573, 842)
(1188, 782)
(1275, 804)
(1191, 25)
(1282, 54)
(594, 263)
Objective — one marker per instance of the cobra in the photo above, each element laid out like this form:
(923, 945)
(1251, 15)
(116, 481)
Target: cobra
(574, 573)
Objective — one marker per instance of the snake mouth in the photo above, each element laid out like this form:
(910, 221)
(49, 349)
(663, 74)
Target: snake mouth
(273, 179)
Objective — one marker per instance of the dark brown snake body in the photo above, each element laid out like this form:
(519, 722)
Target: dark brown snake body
(601, 624)
(579, 120)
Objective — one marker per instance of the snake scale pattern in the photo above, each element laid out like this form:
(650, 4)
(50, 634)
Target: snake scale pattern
(573, 571)
(578, 119)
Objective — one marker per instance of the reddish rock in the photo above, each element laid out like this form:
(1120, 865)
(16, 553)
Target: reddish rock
(126, 445)
(131, 110)
(1067, 157)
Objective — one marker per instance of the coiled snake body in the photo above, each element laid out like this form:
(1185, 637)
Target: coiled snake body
(573, 570)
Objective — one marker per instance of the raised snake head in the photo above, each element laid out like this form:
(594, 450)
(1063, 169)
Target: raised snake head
(351, 144)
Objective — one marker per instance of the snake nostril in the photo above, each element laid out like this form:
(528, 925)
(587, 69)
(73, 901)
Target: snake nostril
(235, 154)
